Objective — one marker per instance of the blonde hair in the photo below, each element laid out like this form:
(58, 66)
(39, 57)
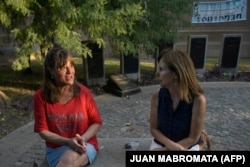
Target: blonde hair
(182, 65)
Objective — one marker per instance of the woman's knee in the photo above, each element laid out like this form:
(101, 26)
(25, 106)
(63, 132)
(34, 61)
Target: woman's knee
(71, 157)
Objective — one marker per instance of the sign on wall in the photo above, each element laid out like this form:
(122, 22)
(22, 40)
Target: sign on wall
(93, 67)
(219, 11)
(130, 65)
(197, 51)
(230, 53)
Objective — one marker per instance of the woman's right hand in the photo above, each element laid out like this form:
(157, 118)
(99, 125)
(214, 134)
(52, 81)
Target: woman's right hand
(78, 144)
(176, 147)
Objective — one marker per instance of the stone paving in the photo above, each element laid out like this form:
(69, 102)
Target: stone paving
(227, 118)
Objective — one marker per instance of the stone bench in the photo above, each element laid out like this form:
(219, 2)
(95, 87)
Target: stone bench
(112, 151)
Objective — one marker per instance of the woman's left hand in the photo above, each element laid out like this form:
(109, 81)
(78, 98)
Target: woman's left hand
(176, 147)
(80, 145)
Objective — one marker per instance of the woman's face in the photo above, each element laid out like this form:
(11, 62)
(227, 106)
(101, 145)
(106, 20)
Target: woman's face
(165, 77)
(65, 75)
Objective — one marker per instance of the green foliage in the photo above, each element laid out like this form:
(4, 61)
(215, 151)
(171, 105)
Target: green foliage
(128, 24)
(65, 23)
(4, 19)
(21, 63)
(157, 26)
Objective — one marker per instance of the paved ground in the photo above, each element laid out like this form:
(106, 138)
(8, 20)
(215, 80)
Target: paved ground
(126, 119)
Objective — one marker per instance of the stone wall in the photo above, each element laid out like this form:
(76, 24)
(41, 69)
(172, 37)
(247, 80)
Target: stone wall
(7, 50)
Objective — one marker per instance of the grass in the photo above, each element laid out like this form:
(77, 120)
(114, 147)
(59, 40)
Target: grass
(243, 64)
(19, 83)
(20, 86)
(112, 66)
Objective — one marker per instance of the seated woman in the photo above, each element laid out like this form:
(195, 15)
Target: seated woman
(178, 108)
(66, 115)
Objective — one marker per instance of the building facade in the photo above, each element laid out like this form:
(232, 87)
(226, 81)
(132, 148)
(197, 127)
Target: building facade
(204, 32)
(219, 29)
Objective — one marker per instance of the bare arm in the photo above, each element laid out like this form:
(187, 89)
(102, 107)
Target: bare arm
(54, 138)
(169, 144)
(197, 122)
(92, 130)
(60, 140)
(76, 143)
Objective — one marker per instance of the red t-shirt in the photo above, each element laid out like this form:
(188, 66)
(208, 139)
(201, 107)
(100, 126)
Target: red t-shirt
(66, 119)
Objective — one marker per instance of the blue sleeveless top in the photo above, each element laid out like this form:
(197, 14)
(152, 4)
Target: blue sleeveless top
(175, 125)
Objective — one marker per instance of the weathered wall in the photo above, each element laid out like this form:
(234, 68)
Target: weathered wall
(215, 33)
(7, 50)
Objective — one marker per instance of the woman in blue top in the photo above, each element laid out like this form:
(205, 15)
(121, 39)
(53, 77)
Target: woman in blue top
(178, 108)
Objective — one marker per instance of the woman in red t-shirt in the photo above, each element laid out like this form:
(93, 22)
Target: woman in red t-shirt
(66, 115)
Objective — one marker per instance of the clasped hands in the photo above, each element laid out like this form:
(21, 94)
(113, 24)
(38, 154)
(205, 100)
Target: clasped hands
(78, 144)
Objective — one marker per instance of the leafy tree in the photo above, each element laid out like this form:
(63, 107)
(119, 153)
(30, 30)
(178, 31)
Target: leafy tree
(160, 23)
(66, 23)
(128, 24)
